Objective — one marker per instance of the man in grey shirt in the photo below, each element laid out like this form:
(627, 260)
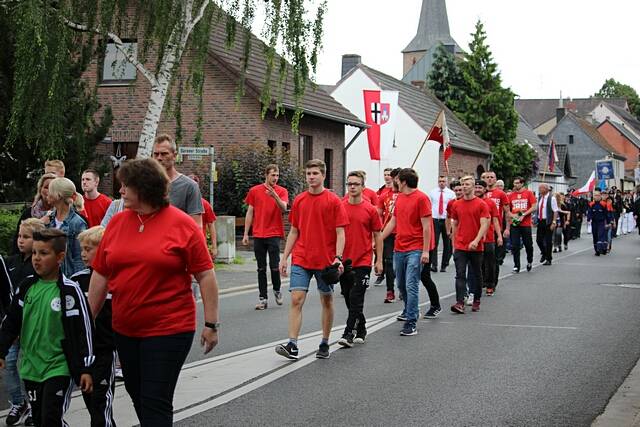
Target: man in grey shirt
(183, 192)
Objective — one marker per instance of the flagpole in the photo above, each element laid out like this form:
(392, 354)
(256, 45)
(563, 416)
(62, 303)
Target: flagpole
(420, 151)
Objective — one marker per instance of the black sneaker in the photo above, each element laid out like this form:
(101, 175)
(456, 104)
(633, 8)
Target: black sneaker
(360, 337)
(17, 413)
(529, 267)
(28, 420)
(401, 318)
(432, 313)
(346, 341)
(409, 330)
(290, 350)
(379, 281)
(323, 351)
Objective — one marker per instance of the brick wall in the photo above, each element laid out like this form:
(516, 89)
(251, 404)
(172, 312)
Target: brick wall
(463, 163)
(621, 144)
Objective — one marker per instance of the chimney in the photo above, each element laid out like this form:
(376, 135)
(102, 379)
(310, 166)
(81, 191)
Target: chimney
(560, 112)
(349, 61)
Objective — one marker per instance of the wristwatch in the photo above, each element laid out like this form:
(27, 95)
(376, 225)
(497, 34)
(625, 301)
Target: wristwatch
(212, 325)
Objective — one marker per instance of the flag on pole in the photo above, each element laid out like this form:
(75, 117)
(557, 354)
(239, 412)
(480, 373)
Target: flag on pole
(440, 133)
(380, 110)
(552, 158)
(588, 187)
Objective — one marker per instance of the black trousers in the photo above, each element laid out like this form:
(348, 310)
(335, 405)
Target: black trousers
(49, 400)
(430, 286)
(387, 258)
(462, 259)
(353, 286)
(440, 229)
(489, 266)
(100, 401)
(521, 234)
(544, 239)
(151, 367)
(262, 247)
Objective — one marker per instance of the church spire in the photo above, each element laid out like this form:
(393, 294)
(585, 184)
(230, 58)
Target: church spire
(433, 27)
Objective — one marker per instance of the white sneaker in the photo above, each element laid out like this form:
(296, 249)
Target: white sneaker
(469, 301)
(119, 375)
(278, 296)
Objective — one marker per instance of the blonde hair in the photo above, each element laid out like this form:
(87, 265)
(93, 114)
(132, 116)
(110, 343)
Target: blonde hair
(467, 178)
(65, 189)
(41, 181)
(33, 224)
(559, 198)
(55, 164)
(92, 236)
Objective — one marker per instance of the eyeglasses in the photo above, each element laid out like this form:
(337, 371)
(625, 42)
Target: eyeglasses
(353, 184)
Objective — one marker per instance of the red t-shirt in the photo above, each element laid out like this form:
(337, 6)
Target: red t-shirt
(468, 213)
(450, 207)
(521, 201)
(316, 216)
(96, 208)
(501, 200)
(363, 220)
(208, 217)
(409, 210)
(386, 202)
(267, 216)
(490, 237)
(149, 273)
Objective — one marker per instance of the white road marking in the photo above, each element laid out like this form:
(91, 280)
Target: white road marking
(466, 324)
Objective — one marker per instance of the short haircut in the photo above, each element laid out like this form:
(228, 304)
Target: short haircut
(164, 137)
(147, 178)
(388, 169)
(467, 178)
(409, 177)
(58, 238)
(519, 178)
(442, 177)
(316, 163)
(357, 174)
(93, 172)
(395, 172)
(55, 164)
(364, 173)
(271, 167)
(481, 183)
(33, 224)
(455, 184)
(92, 235)
(490, 172)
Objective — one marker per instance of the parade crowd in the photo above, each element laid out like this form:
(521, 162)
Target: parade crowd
(96, 285)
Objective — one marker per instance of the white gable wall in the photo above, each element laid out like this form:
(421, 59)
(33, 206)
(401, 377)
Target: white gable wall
(409, 137)
(602, 112)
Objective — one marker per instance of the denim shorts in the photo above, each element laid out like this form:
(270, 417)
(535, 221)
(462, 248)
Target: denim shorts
(300, 278)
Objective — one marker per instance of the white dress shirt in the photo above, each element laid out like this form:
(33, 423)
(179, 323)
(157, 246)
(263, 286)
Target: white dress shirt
(447, 196)
(543, 201)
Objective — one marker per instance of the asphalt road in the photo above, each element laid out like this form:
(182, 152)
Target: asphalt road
(549, 349)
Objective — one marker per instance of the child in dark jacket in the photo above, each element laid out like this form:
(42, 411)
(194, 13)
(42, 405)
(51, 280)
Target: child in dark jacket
(100, 402)
(601, 218)
(50, 315)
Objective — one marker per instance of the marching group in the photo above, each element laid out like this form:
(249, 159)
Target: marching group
(94, 283)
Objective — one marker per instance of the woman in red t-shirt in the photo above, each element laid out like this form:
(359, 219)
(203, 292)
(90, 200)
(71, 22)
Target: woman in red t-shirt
(148, 272)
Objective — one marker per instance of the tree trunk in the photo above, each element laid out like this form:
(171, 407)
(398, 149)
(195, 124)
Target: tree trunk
(152, 118)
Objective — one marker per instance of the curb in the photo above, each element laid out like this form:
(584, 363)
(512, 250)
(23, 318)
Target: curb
(623, 410)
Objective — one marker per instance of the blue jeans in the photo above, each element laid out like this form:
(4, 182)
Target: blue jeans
(408, 268)
(12, 382)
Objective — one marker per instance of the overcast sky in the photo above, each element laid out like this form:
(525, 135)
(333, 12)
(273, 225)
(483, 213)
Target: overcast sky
(541, 47)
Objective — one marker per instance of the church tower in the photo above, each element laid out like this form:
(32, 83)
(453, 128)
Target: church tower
(433, 30)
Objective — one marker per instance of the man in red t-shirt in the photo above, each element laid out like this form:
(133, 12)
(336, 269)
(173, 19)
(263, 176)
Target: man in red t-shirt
(412, 222)
(492, 239)
(522, 203)
(364, 228)
(316, 241)
(470, 220)
(265, 204)
(501, 200)
(386, 201)
(95, 203)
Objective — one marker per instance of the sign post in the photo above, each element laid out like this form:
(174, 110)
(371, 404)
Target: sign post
(196, 153)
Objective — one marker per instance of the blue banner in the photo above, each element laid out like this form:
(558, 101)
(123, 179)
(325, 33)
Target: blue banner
(604, 170)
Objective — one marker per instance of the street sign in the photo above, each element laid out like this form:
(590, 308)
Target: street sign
(195, 151)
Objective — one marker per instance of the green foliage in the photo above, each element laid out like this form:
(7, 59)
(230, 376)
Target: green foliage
(445, 79)
(511, 160)
(8, 222)
(614, 89)
(487, 108)
(47, 110)
(242, 167)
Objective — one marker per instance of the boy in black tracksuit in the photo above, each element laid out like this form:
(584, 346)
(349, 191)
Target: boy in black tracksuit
(51, 316)
(601, 219)
(100, 402)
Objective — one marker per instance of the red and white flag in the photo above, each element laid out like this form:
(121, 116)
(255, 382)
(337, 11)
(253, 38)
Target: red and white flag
(440, 133)
(380, 111)
(588, 187)
(552, 158)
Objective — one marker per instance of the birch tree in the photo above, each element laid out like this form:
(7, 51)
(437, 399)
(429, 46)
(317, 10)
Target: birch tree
(170, 28)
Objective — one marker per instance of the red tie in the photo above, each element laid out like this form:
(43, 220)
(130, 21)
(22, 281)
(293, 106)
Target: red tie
(441, 203)
(540, 209)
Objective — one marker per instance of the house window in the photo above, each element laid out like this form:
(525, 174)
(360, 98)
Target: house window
(286, 147)
(115, 67)
(272, 144)
(570, 139)
(328, 160)
(306, 143)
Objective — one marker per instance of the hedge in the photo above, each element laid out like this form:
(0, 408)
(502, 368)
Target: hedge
(8, 221)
